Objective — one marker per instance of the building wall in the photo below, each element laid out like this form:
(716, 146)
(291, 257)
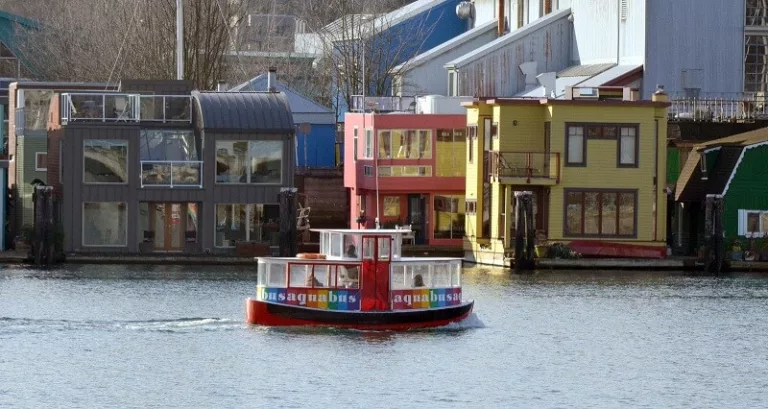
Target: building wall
(601, 171)
(422, 79)
(474, 178)
(706, 36)
(747, 190)
(497, 72)
(318, 149)
(27, 146)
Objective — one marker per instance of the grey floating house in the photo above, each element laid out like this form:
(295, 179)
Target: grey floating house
(188, 172)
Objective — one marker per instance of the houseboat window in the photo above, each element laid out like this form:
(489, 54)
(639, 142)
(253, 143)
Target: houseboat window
(105, 224)
(451, 161)
(354, 144)
(368, 144)
(628, 147)
(36, 104)
(105, 161)
(257, 162)
(575, 146)
(600, 214)
(385, 144)
(449, 217)
(337, 244)
(277, 272)
(425, 144)
(169, 153)
(248, 223)
(392, 206)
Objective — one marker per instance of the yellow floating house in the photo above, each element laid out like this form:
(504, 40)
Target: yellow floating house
(594, 160)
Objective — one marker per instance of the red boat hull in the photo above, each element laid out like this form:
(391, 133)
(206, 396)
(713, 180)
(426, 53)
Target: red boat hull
(281, 315)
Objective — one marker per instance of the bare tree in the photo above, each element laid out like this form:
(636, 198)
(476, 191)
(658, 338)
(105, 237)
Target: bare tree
(84, 40)
(362, 45)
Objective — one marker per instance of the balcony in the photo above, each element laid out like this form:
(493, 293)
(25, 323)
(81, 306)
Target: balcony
(719, 108)
(89, 108)
(521, 168)
(382, 104)
(171, 174)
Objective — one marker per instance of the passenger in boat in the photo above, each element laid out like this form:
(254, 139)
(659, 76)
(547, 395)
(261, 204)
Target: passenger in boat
(312, 281)
(351, 251)
(418, 281)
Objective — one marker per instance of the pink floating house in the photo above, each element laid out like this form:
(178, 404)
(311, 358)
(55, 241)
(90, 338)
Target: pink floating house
(412, 163)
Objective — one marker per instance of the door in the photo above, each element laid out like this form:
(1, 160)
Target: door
(377, 253)
(417, 217)
(168, 225)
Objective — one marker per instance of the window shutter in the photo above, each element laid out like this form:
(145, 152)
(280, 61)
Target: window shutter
(742, 222)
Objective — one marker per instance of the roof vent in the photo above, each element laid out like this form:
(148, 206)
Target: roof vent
(272, 79)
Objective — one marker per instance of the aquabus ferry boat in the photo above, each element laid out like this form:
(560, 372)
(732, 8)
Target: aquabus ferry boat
(358, 280)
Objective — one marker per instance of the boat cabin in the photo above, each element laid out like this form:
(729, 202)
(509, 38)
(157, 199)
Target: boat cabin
(360, 270)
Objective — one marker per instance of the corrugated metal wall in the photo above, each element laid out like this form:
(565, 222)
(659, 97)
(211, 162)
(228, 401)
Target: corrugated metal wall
(498, 73)
(705, 35)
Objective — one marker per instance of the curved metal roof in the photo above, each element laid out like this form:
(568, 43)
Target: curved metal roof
(244, 111)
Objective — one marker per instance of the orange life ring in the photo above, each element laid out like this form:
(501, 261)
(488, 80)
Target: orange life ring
(311, 256)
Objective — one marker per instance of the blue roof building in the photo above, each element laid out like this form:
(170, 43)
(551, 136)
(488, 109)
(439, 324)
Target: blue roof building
(317, 148)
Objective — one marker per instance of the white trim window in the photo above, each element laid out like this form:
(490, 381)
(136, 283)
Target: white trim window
(753, 223)
(105, 161)
(354, 144)
(368, 154)
(41, 161)
(105, 224)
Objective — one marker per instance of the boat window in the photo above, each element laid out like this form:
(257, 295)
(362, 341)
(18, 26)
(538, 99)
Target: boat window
(276, 275)
(398, 277)
(441, 275)
(456, 274)
(396, 245)
(261, 274)
(351, 247)
(336, 244)
(322, 273)
(325, 244)
(384, 244)
(418, 275)
(368, 244)
(347, 276)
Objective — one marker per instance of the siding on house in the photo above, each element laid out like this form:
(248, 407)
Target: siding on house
(747, 190)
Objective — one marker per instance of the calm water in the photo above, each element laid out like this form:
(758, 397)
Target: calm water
(172, 337)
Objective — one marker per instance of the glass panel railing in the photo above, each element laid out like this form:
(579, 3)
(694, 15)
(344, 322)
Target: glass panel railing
(167, 173)
(99, 107)
(166, 108)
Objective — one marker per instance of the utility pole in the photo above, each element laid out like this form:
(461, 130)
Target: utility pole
(179, 40)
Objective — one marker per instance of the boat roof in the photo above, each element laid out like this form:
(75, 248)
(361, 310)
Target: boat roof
(364, 231)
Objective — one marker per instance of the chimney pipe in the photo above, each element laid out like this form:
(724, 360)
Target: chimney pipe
(272, 80)
(500, 17)
(222, 86)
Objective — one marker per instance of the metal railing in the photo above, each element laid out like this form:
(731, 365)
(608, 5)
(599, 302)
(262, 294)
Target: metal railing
(93, 107)
(382, 104)
(723, 108)
(171, 173)
(528, 165)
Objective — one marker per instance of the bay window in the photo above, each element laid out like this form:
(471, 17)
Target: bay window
(602, 213)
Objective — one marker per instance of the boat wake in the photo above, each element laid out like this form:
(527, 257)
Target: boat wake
(27, 325)
(472, 321)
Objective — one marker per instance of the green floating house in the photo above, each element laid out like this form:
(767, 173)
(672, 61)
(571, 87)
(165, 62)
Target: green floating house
(735, 167)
